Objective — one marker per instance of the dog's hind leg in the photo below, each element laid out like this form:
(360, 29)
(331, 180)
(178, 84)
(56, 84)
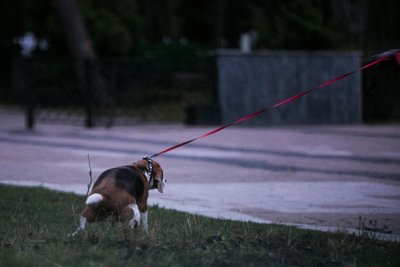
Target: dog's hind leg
(143, 221)
(87, 215)
(82, 225)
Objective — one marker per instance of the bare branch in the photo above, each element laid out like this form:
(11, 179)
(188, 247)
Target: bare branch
(90, 176)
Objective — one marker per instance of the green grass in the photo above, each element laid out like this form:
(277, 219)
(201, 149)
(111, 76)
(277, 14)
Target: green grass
(35, 223)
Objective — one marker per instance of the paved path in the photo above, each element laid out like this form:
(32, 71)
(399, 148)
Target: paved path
(321, 177)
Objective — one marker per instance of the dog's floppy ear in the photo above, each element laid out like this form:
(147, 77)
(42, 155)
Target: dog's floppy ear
(158, 176)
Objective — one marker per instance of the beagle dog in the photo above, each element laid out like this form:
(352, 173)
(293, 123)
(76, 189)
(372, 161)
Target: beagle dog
(121, 193)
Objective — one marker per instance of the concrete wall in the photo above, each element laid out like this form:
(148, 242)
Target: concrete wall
(248, 82)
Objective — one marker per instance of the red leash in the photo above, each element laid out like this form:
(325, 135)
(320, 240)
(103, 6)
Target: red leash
(384, 57)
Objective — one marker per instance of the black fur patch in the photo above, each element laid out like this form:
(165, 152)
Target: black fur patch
(125, 178)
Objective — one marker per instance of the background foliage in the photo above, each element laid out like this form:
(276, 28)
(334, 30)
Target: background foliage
(127, 28)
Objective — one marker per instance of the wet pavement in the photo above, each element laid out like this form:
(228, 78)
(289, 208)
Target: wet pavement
(317, 177)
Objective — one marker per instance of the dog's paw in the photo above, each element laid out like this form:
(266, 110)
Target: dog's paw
(134, 223)
(74, 234)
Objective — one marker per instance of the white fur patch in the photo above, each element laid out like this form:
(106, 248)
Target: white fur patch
(136, 215)
(147, 175)
(94, 199)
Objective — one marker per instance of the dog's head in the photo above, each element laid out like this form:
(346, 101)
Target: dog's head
(154, 174)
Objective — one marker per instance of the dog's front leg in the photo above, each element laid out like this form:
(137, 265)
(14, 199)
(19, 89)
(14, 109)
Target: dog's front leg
(136, 218)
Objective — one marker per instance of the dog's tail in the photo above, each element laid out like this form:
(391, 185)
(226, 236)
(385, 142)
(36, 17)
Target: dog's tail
(94, 199)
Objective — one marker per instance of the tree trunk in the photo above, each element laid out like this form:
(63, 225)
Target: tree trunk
(75, 30)
(92, 83)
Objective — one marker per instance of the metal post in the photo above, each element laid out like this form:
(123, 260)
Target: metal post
(88, 89)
